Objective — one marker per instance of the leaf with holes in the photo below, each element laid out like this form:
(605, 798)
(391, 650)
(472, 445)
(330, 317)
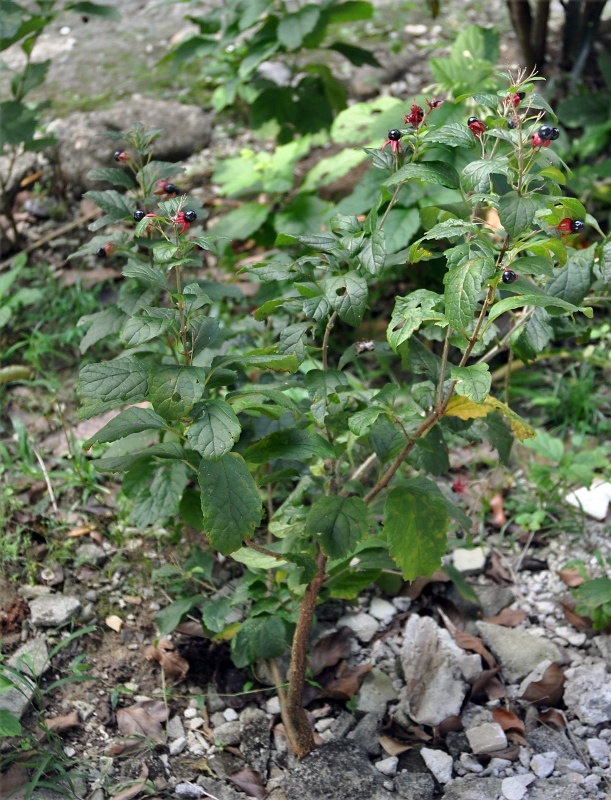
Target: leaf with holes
(215, 430)
(347, 294)
(340, 521)
(473, 381)
(174, 390)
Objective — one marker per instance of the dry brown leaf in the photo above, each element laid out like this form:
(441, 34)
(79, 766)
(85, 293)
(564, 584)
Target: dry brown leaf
(553, 717)
(114, 622)
(497, 572)
(393, 746)
(346, 682)
(143, 719)
(414, 590)
(249, 781)
(578, 622)
(572, 577)
(547, 691)
(451, 723)
(481, 682)
(330, 650)
(469, 642)
(191, 628)
(59, 724)
(508, 720)
(509, 617)
(136, 788)
(496, 506)
(11, 781)
(509, 753)
(174, 665)
(84, 530)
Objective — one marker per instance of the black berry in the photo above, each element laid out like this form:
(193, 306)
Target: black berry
(555, 134)
(521, 95)
(471, 120)
(116, 155)
(512, 123)
(394, 135)
(171, 188)
(577, 226)
(545, 132)
(190, 216)
(139, 214)
(101, 253)
(509, 276)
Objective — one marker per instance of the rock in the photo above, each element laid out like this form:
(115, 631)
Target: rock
(515, 788)
(547, 740)
(469, 561)
(31, 659)
(471, 787)
(366, 734)
(174, 728)
(177, 745)
(220, 790)
(381, 609)
(439, 763)
(388, 766)
(587, 692)
(228, 734)
(599, 751)
(414, 786)
(53, 610)
(187, 129)
(272, 706)
(494, 599)
(25, 164)
(364, 626)
(189, 791)
(376, 692)
(517, 651)
(576, 638)
(214, 701)
(593, 501)
(566, 765)
(470, 763)
(543, 764)
(415, 30)
(90, 553)
(487, 738)
(338, 770)
(275, 71)
(435, 671)
(533, 677)
(230, 714)
(555, 789)
(255, 738)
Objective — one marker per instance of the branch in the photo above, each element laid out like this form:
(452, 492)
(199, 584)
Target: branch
(260, 549)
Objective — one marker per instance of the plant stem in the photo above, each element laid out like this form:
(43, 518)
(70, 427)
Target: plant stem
(181, 312)
(325, 341)
(260, 549)
(299, 732)
(442, 370)
(393, 200)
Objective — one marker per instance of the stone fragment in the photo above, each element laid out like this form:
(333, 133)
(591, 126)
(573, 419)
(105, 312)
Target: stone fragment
(31, 659)
(494, 599)
(473, 787)
(414, 785)
(515, 788)
(272, 706)
(90, 553)
(255, 738)
(439, 763)
(587, 692)
(228, 734)
(517, 651)
(487, 738)
(415, 29)
(388, 766)
(364, 626)
(53, 610)
(177, 745)
(436, 672)
(543, 764)
(594, 501)
(470, 763)
(599, 751)
(174, 728)
(367, 734)
(547, 740)
(381, 609)
(189, 791)
(556, 789)
(469, 561)
(566, 765)
(376, 692)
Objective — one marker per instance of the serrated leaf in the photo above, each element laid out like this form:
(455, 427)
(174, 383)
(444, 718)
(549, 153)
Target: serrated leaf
(293, 340)
(293, 28)
(102, 324)
(451, 229)
(341, 522)
(373, 252)
(146, 274)
(360, 422)
(290, 443)
(572, 281)
(516, 213)
(463, 285)
(113, 383)
(215, 430)
(231, 505)
(473, 381)
(161, 500)
(204, 331)
(132, 420)
(118, 177)
(138, 330)
(166, 450)
(476, 175)
(258, 637)
(415, 524)
(437, 172)
(174, 390)
(464, 408)
(170, 617)
(215, 612)
(409, 313)
(542, 301)
(347, 294)
(453, 134)
(430, 454)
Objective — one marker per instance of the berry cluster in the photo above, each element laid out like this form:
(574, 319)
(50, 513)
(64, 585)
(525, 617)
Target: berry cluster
(568, 225)
(476, 126)
(544, 136)
(165, 187)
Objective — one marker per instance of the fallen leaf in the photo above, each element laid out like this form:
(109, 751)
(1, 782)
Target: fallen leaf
(393, 746)
(480, 683)
(508, 720)
(508, 753)
(191, 628)
(451, 723)
(346, 682)
(174, 665)
(136, 788)
(578, 622)
(330, 650)
(553, 717)
(572, 577)
(497, 572)
(114, 623)
(414, 590)
(84, 530)
(547, 691)
(53, 575)
(469, 642)
(531, 564)
(249, 781)
(59, 724)
(143, 719)
(496, 506)
(509, 617)
(11, 781)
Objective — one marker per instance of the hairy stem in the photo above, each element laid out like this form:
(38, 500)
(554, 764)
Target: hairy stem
(325, 341)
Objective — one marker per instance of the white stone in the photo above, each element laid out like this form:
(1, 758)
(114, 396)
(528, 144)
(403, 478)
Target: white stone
(470, 763)
(415, 30)
(439, 763)
(542, 765)
(177, 745)
(364, 625)
(376, 692)
(388, 766)
(519, 652)
(50, 611)
(515, 788)
(593, 501)
(190, 712)
(194, 723)
(272, 706)
(599, 750)
(472, 560)
(487, 738)
(401, 603)
(381, 609)
(576, 638)
(230, 714)
(587, 693)
(174, 728)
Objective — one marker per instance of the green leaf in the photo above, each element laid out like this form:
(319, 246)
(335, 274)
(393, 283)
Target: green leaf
(215, 430)
(101, 324)
(361, 422)
(415, 523)
(161, 500)
(146, 274)
(293, 28)
(113, 383)
(259, 637)
(499, 436)
(132, 420)
(463, 285)
(481, 43)
(174, 390)
(170, 617)
(242, 222)
(437, 172)
(166, 450)
(204, 331)
(430, 454)
(9, 724)
(516, 213)
(118, 177)
(451, 229)
(461, 584)
(355, 55)
(117, 206)
(473, 381)
(138, 330)
(476, 175)
(594, 601)
(349, 11)
(373, 252)
(341, 522)
(348, 585)
(410, 312)
(572, 281)
(215, 614)
(95, 10)
(274, 361)
(289, 443)
(18, 123)
(542, 301)
(231, 505)
(347, 294)
(454, 135)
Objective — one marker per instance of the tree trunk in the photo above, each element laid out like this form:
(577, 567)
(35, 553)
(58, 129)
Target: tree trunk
(521, 20)
(539, 34)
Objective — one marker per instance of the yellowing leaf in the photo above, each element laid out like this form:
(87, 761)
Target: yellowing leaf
(464, 408)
